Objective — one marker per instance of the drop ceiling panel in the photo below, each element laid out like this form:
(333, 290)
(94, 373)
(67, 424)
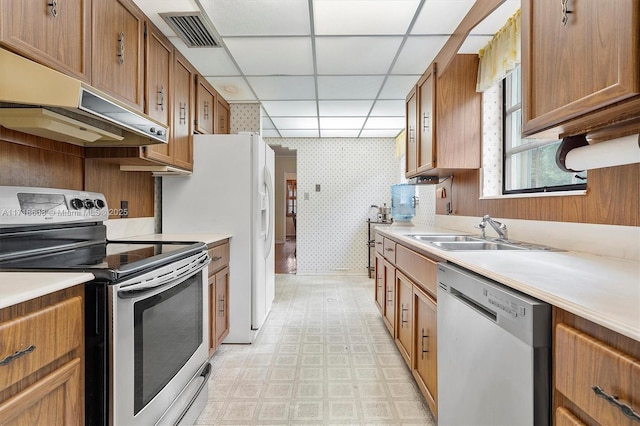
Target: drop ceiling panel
(232, 88)
(299, 133)
(441, 16)
(207, 60)
(272, 56)
(251, 17)
(349, 17)
(336, 123)
(346, 108)
(283, 87)
(349, 87)
(267, 123)
(398, 86)
(355, 55)
(390, 133)
(291, 108)
(295, 123)
(389, 108)
(269, 133)
(353, 133)
(418, 53)
(384, 123)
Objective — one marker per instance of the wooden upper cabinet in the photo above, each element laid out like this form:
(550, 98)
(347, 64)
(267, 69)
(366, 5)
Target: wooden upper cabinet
(53, 33)
(575, 68)
(411, 137)
(206, 101)
(118, 52)
(183, 112)
(448, 119)
(223, 117)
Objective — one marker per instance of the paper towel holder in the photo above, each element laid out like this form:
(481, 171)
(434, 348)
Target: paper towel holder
(567, 145)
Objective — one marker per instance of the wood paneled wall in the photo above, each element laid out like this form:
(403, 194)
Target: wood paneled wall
(613, 198)
(27, 160)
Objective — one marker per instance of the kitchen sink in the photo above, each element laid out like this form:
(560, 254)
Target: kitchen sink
(474, 243)
(430, 238)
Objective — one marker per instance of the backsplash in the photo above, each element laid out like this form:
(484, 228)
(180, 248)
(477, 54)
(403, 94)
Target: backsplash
(338, 181)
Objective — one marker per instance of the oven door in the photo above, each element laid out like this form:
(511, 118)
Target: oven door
(158, 339)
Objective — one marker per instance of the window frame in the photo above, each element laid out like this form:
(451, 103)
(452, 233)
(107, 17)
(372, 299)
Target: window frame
(291, 199)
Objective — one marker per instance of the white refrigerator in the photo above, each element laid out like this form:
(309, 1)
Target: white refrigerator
(231, 191)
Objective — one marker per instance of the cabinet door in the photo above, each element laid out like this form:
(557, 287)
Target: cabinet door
(117, 53)
(222, 306)
(379, 289)
(183, 88)
(404, 335)
(212, 313)
(425, 362)
(390, 297)
(411, 136)
(574, 67)
(427, 120)
(54, 33)
(205, 107)
(222, 116)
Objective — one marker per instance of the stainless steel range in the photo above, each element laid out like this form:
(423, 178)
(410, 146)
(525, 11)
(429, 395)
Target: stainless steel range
(145, 313)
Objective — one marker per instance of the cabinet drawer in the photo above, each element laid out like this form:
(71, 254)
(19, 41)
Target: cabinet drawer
(564, 417)
(389, 250)
(583, 362)
(420, 269)
(41, 337)
(219, 257)
(380, 244)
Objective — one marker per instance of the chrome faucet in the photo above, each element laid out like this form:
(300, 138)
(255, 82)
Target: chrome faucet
(499, 227)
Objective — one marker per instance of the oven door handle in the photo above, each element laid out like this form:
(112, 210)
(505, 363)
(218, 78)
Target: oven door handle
(184, 269)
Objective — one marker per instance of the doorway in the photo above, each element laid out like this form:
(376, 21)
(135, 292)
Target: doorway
(286, 210)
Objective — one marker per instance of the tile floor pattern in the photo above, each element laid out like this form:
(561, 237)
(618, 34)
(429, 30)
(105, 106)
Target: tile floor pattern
(323, 357)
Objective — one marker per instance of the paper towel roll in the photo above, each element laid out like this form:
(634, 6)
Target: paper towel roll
(615, 152)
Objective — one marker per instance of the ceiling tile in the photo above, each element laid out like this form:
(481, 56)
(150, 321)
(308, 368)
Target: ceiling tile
(344, 133)
(473, 43)
(291, 108)
(418, 53)
(232, 88)
(349, 87)
(363, 17)
(267, 123)
(441, 16)
(269, 133)
(355, 55)
(283, 87)
(384, 123)
(344, 108)
(251, 17)
(295, 122)
(389, 108)
(272, 56)
(398, 86)
(492, 23)
(299, 133)
(207, 60)
(341, 122)
(391, 133)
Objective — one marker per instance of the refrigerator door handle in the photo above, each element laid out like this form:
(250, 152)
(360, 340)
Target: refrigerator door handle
(268, 181)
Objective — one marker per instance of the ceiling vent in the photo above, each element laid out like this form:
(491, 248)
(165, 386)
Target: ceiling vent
(193, 28)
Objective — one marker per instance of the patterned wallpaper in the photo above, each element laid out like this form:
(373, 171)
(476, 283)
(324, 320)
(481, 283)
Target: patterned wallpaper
(492, 141)
(352, 174)
(244, 118)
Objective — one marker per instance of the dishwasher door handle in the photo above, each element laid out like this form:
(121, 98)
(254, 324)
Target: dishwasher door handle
(473, 304)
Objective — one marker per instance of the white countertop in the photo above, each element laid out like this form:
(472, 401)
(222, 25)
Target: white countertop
(17, 287)
(206, 238)
(601, 289)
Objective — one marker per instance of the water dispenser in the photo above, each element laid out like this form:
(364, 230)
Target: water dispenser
(402, 202)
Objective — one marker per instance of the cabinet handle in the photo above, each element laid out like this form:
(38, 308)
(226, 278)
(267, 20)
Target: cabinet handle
(425, 121)
(402, 311)
(389, 249)
(53, 8)
(424, 336)
(183, 112)
(121, 48)
(379, 242)
(206, 110)
(222, 306)
(17, 355)
(216, 258)
(389, 297)
(565, 12)
(412, 134)
(613, 400)
(161, 98)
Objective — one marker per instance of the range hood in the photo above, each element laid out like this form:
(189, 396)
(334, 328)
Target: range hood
(40, 101)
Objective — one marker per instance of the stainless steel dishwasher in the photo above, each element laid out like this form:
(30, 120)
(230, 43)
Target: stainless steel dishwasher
(493, 352)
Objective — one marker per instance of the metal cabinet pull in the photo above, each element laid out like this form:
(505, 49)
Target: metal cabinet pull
(121, 48)
(216, 258)
(17, 355)
(389, 249)
(412, 134)
(161, 98)
(389, 297)
(53, 8)
(183, 112)
(402, 311)
(222, 305)
(425, 121)
(206, 110)
(565, 12)
(613, 400)
(424, 336)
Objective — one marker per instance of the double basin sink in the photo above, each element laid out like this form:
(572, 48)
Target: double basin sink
(472, 243)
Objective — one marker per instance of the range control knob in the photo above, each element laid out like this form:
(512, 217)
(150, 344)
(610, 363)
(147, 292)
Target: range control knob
(76, 203)
(88, 204)
(99, 203)
(152, 130)
(160, 132)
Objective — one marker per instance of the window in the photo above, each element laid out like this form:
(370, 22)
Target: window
(530, 164)
(292, 198)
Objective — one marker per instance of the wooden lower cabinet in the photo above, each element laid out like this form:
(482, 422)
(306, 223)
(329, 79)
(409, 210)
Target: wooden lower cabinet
(45, 384)
(218, 295)
(389, 316)
(379, 289)
(404, 322)
(596, 374)
(425, 354)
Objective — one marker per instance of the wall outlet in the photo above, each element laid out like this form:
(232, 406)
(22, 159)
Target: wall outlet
(124, 209)
(317, 187)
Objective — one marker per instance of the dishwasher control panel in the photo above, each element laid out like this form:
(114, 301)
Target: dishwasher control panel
(504, 304)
